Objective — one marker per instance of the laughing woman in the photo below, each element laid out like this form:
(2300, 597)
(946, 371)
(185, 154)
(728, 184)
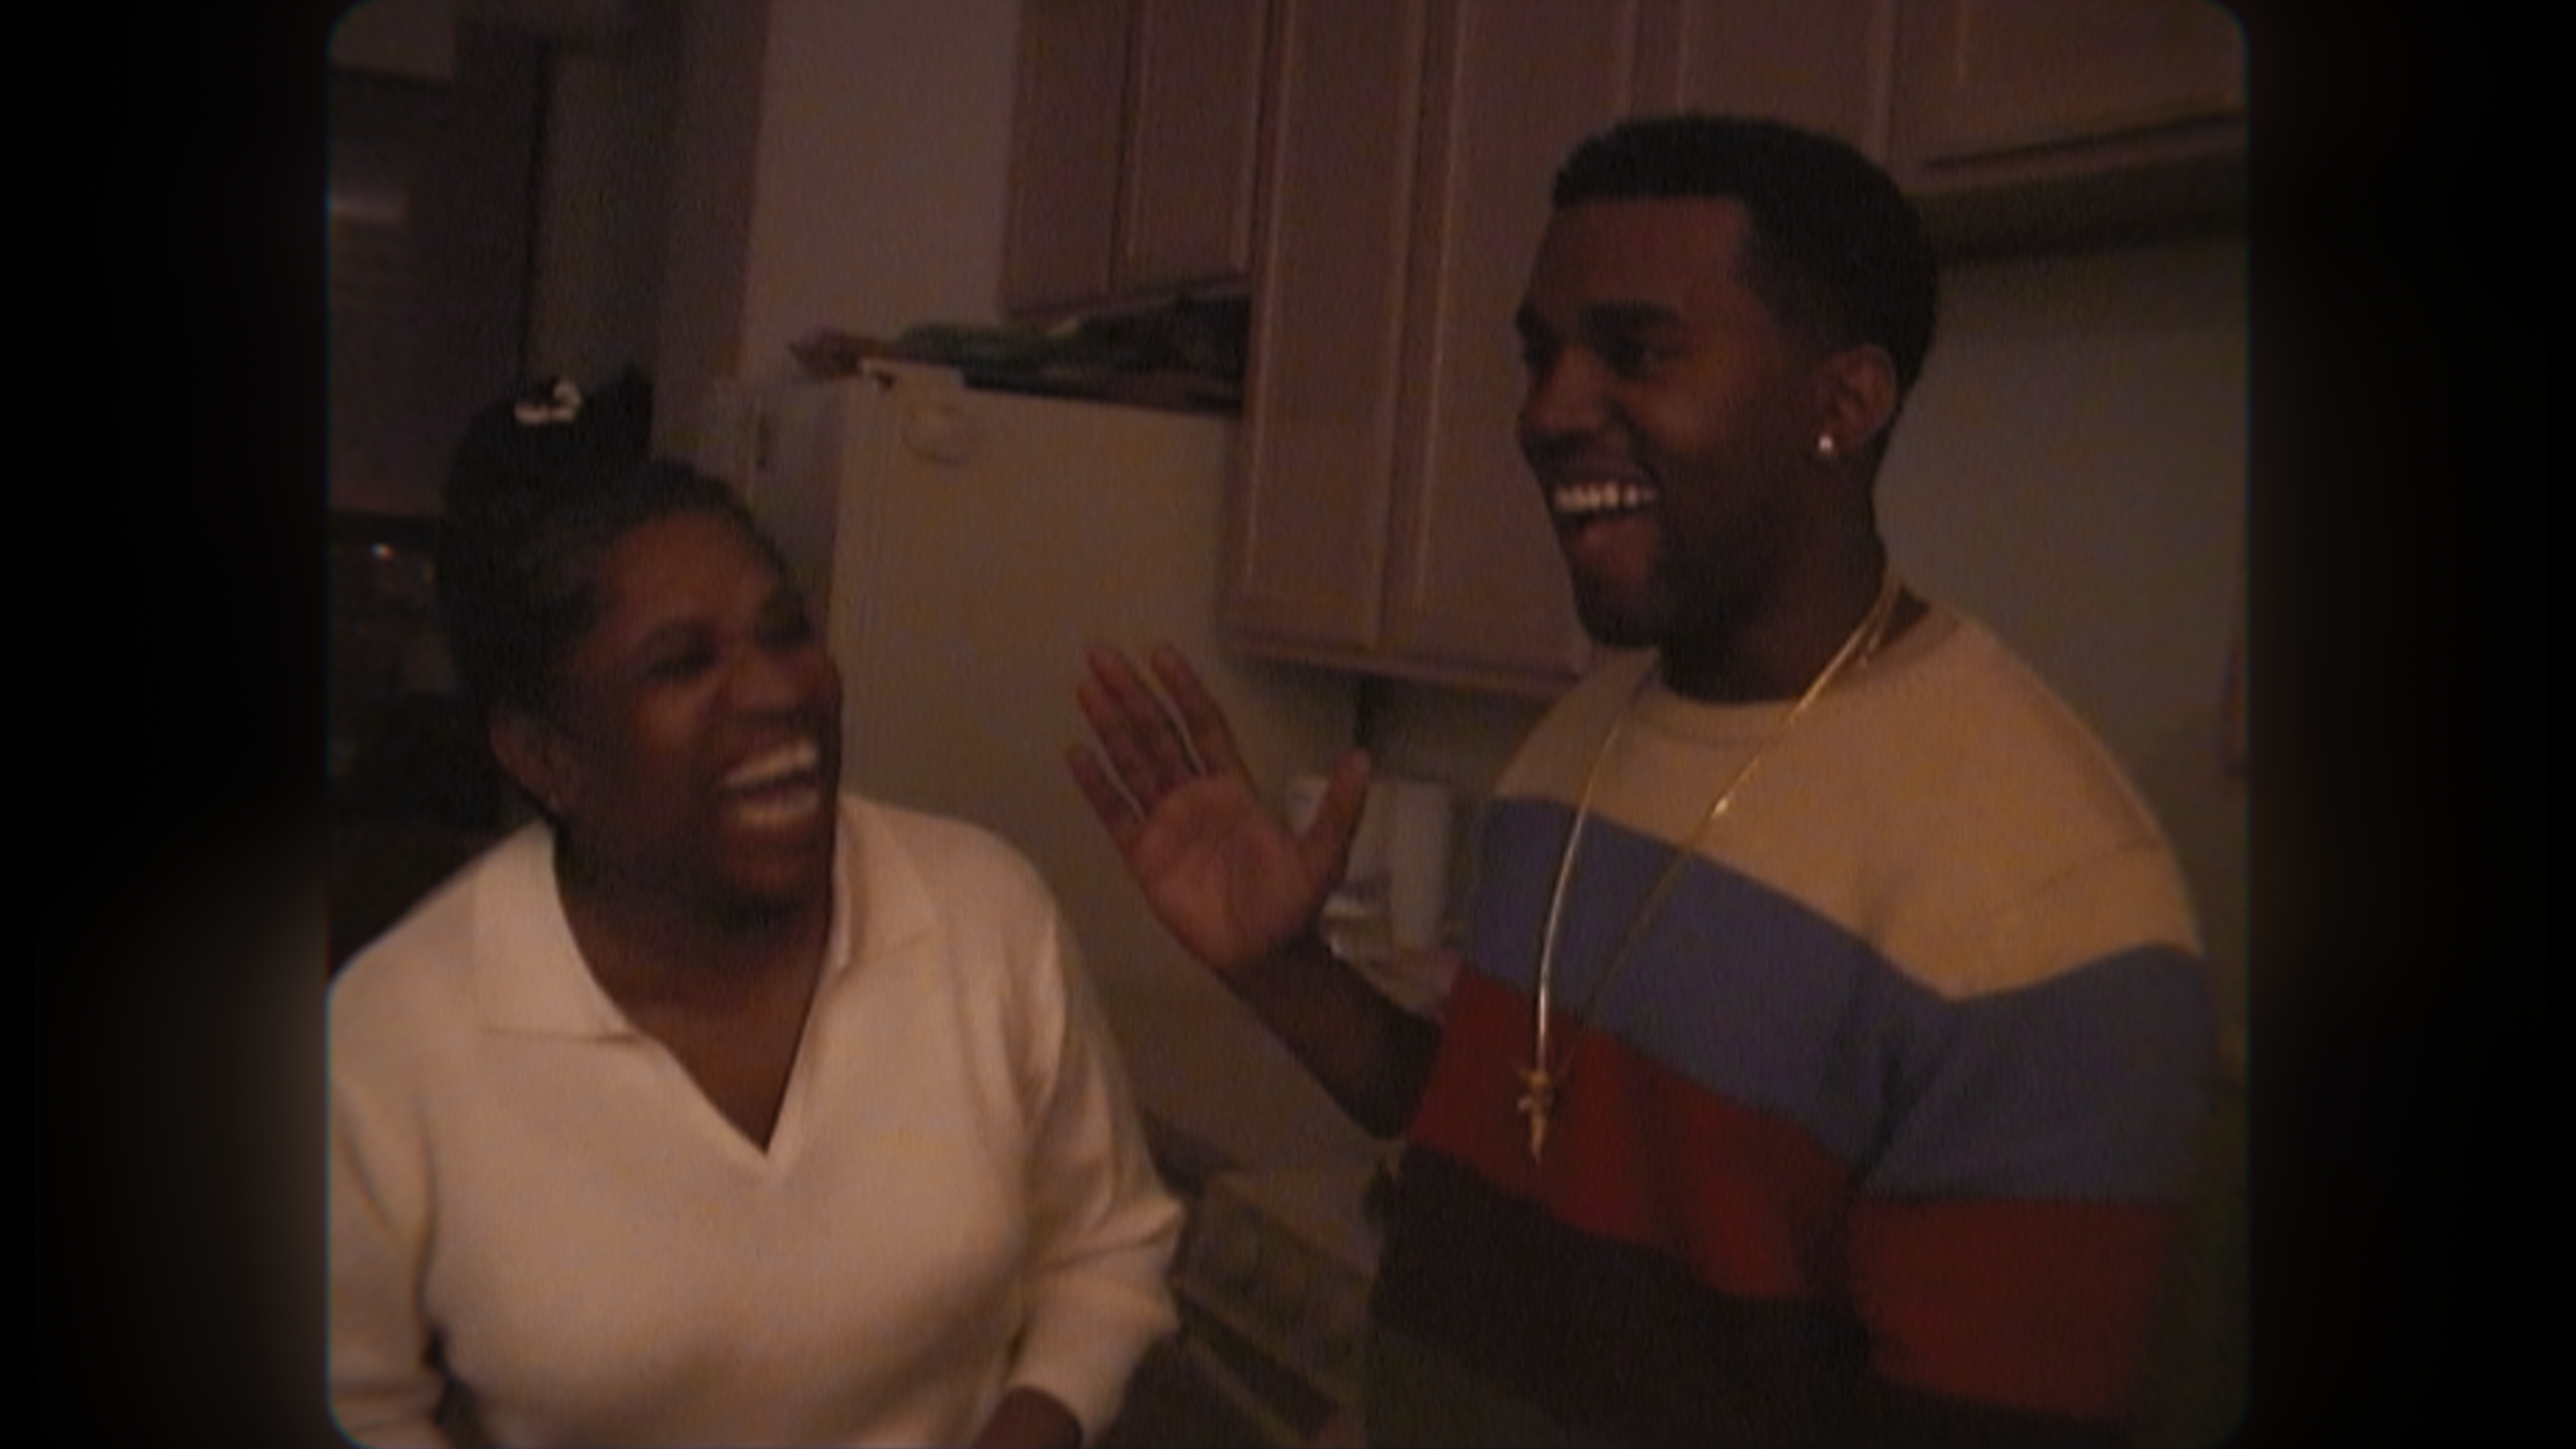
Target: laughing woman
(713, 1106)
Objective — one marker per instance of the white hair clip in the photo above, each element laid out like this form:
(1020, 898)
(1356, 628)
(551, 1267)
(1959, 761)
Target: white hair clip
(562, 404)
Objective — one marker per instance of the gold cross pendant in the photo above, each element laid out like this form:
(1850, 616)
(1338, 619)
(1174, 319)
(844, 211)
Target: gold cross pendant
(1535, 1104)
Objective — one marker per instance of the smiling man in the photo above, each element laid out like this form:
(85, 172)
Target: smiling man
(1825, 1058)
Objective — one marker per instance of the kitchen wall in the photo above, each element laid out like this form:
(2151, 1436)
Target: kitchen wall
(619, 204)
(879, 195)
(719, 177)
(864, 148)
(604, 189)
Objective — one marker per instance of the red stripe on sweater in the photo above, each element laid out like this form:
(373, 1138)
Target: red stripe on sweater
(2037, 1305)
(1637, 1154)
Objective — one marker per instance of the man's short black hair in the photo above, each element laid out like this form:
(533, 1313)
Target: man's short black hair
(1836, 247)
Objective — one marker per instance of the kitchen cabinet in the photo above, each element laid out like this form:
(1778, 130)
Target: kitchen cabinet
(1134, 144)
(1383, 520)
(2033, 120)
(1821, 64)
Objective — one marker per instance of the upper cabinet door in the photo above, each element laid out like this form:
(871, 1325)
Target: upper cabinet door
(1134, 151)
(1307, 536)
(1997, 91)
(1193, 151)
(1821, 64)
(1068, 133)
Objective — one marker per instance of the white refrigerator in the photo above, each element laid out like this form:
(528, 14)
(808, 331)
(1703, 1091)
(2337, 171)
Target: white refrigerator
(964, 547)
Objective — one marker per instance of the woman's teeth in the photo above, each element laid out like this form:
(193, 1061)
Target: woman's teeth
(1578, 501)
(781, 809)
(777, 788)
(802, 757)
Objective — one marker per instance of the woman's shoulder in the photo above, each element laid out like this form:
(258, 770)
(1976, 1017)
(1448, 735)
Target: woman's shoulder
(426, 955)
(927, 877)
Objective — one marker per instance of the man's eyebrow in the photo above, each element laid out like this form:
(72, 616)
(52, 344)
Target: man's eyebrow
(1629, 316)
(1604, 317)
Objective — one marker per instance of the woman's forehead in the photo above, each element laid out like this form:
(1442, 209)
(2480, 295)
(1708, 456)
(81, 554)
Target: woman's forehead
(681, 563)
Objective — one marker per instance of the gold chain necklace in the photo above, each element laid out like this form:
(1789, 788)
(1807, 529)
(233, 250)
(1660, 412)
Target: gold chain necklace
(1543, 1081)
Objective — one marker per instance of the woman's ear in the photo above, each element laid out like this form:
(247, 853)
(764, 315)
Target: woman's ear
(532, 753)
(1857, 396)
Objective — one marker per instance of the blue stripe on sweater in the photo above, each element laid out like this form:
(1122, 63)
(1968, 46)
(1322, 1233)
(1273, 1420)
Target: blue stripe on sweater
(2065, 1089)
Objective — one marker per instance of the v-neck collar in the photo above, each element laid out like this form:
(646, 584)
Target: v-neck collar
(530, 978)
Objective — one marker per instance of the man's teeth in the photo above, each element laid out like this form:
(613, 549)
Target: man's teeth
(785, 762)
(1582, 500)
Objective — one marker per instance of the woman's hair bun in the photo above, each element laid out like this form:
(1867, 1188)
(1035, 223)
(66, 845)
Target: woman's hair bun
(548, 437)
(540, 478)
